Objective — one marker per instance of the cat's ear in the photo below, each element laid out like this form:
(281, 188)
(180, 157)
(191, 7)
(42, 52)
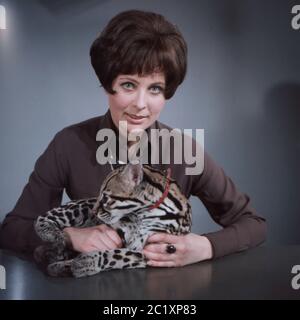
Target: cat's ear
(137, 173)
(125, 170)
(133, 172)
(97, 203)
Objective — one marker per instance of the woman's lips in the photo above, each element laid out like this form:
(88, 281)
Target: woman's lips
(132, 118)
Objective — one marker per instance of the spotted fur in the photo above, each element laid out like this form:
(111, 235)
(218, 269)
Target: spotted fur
(125, 203)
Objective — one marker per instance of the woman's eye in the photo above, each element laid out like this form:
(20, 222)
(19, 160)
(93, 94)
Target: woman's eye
(156, 89)
(131, 86)
(127, 85)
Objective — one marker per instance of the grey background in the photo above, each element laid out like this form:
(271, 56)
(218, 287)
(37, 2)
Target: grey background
(242, 87)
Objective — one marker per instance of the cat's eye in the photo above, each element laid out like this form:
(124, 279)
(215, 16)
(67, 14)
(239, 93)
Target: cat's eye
(104, 197)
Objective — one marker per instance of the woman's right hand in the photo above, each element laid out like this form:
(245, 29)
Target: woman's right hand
(94, 238)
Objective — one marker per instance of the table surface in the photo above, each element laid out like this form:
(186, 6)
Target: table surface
(260, 273)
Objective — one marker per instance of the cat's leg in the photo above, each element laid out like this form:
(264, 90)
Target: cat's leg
(55, 242)
(50, 228)
(137, 240)
(134, 235)
(73, 214)
(87, 264)
(47, 254)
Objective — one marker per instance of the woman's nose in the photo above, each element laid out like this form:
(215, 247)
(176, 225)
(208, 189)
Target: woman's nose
(141, 99)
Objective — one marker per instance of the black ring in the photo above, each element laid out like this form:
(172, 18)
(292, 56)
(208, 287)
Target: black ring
(170, 248)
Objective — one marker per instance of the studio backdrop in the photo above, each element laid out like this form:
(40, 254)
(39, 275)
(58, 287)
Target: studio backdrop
(242, 87)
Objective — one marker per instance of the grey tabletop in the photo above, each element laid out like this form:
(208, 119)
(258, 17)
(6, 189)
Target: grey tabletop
(261, 273)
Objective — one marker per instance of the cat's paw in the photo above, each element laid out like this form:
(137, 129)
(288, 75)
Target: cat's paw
(45, 255)
(86, 264)
(60, 269)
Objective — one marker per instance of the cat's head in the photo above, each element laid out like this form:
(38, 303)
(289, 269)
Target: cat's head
(120, 194)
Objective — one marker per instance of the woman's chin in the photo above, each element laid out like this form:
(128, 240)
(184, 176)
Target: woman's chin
(135, 128)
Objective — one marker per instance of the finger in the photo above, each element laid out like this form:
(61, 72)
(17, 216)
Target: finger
(156, 247)
(107, 234)
(113, 235)
(156, 256)
(106, 242)
(90, 248)
(154, 263)
(163, 237)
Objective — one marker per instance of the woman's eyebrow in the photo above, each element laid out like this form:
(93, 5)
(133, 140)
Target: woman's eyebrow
(133, 80)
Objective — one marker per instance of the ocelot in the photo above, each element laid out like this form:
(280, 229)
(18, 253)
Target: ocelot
(136, 200)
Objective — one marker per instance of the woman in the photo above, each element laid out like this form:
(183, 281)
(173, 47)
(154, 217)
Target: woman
(140, 60)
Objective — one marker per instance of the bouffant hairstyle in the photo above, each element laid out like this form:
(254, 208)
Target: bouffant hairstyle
(140, 42)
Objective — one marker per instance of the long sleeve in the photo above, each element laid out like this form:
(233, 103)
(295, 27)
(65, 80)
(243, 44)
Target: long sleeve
(242, 227)
(42, 192)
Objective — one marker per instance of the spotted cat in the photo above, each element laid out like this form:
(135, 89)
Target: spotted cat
(135, 200)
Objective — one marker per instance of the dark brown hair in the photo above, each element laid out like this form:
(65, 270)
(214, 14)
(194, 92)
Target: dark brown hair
(140, 42)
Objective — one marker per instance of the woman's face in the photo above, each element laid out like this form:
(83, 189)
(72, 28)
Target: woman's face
(138, 100)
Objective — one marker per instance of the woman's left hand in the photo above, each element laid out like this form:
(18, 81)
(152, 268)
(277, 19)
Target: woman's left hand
(190, 248)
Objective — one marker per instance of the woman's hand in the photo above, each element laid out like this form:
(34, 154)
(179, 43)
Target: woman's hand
(94, 238)
(190, 248)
